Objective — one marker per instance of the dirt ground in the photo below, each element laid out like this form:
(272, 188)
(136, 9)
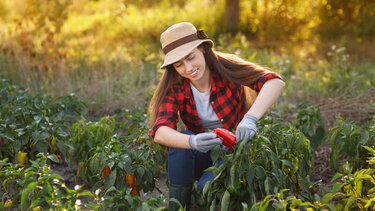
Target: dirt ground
(321, 170)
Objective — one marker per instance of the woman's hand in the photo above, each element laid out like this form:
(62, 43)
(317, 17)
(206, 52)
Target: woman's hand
(247, 128)
(203, 142)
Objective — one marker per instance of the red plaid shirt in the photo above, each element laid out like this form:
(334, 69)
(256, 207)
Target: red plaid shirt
(227, 101)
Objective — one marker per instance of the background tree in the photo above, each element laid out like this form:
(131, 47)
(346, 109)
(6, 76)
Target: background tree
(232, 15)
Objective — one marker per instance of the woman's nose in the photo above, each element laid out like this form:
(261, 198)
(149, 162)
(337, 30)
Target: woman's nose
(188, 66)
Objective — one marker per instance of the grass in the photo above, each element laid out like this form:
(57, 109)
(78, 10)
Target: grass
(110, 51)
(109, 84)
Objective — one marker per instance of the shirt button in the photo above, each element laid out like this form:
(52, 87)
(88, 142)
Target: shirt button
(212, 102)
(221, 119)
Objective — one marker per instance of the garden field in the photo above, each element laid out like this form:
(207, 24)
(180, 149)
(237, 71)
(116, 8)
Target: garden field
(76, 78)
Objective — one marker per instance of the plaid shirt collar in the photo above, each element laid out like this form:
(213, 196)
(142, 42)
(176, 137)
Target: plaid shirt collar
(215, 80)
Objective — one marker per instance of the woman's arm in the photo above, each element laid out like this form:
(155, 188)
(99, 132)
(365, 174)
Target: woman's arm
(267, 96)
(169, 137)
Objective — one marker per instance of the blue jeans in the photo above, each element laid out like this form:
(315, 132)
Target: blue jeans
(187, 165)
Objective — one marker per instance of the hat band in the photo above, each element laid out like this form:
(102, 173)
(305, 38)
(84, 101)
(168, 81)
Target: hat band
(196, 36)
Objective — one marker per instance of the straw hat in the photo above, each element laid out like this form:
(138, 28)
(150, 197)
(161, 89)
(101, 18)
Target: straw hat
(179, 40)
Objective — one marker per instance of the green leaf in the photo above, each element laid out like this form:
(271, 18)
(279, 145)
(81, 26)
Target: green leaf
(260, 173)
(5, 184)
(206, 188)
(289, 164)
(337, 176)
(62, 147)
(278, 205)
(215, 154)
(337, 187)
(327, 198)
(111, 179)
(62, 133)
(364, 137)
(42, 146)
(349, 203)
(250, 176)
(44, 135)
(212, 168)
(141, 172)
(37, 118)
(36, 136)
(240, 148)
(20, 132)
(36, 203)
(232, 174)
(225, 201)
(87, 193)
(26, 193)
(264, 205)
(6, 137)
(110, 190)
(372, 190)
(370, 202)
(53, 157)
(213, 206)
(372, 151)
(267, 185)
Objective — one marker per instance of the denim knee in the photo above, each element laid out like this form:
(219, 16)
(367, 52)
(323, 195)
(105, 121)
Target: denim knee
(186, 165)
(207, 176)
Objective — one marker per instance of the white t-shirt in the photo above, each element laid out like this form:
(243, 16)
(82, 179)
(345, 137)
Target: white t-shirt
(205, 111)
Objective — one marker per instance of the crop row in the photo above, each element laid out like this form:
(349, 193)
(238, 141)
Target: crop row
(117, 161)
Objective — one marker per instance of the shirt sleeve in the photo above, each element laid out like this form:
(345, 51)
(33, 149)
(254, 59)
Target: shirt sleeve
(257, 85)
(167, 114)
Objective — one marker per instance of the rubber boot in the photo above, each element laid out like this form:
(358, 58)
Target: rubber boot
(181, 193)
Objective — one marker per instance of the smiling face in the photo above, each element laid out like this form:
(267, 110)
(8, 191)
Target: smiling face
(193, 67)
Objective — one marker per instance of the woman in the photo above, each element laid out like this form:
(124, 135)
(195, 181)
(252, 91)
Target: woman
(207, 90)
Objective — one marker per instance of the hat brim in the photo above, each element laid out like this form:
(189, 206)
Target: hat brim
(181, 51)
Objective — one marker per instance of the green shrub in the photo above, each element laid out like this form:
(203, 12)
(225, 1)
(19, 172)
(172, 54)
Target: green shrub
(279, 157)
(34, 123)
(37, 187)
(347, 140)
(310, 123)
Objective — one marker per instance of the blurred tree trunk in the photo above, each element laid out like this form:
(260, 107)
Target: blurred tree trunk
(232, 15)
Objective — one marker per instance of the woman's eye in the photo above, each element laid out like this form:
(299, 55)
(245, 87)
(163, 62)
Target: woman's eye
(177, 65)
(191, 58)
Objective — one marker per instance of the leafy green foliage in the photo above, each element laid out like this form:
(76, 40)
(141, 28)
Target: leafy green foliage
(283, 201)
(354, 190)
(115, 199)
(37, 186)
(34, 124)
(310, 123)
(96, 145)
(347, 140)
(278, 157)
(87, 135)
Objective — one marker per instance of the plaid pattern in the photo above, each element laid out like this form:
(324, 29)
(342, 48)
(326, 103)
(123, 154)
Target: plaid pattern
(227, 101)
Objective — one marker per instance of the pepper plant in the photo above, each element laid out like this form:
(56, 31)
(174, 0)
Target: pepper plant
(87, 135)
(310, 122)
(113, 157)
(37, 187)
(115, 199)
(354, 190)
(34, 123)
(279, 157)
(283, 201)
(347, 141)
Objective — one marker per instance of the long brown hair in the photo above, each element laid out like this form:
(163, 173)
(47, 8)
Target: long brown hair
(230, 67)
